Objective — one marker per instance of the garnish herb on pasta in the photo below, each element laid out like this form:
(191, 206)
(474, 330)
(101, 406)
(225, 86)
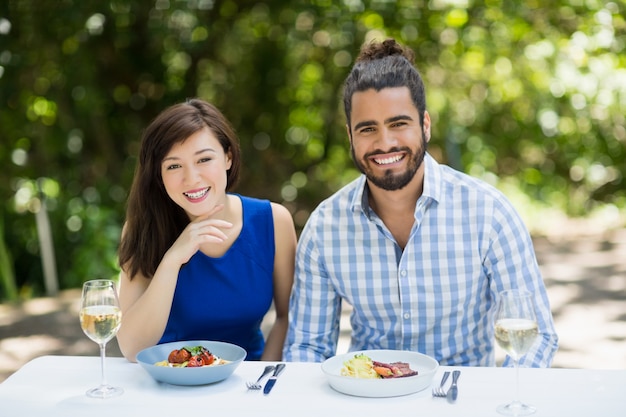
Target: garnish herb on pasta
(191, 357)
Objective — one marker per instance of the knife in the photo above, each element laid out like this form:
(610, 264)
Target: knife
(453, 392)
(270, 382)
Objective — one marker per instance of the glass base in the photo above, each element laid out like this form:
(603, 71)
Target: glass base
(516, 408)
(104, 391)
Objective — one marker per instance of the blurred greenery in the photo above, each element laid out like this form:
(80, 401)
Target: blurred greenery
(530, 96)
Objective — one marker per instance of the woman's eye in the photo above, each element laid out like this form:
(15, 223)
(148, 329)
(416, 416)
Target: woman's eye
(205, 160)
(173, 166)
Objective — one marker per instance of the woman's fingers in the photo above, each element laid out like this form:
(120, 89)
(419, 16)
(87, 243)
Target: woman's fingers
(214, 231)
(210, 228)
(199, 231)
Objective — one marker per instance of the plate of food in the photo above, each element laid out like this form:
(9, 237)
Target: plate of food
(380, 373)
(193, 362)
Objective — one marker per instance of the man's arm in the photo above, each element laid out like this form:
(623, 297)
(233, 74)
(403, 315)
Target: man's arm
(514, 265)
(314, 308)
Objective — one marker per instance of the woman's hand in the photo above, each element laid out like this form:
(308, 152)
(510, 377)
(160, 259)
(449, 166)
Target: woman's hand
(202, 230)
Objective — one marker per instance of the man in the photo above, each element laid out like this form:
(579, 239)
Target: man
(419, 250)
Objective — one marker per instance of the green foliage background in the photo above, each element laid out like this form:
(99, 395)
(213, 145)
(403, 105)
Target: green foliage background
(530, 96)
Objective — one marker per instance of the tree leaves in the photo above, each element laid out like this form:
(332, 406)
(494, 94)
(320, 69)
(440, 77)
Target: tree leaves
(521, 94)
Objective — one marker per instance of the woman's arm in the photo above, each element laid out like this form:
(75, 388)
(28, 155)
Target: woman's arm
(146, 302)
(145, 305)
(284, 258)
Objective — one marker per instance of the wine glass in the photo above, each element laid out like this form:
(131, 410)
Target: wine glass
(100, 319)
(516, 331)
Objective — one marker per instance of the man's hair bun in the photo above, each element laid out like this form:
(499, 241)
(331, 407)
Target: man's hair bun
(379, 50)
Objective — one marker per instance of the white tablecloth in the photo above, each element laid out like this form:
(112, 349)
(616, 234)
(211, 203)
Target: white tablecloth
(56, 385)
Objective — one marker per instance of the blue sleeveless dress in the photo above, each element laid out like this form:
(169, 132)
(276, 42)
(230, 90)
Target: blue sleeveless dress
(226, 298)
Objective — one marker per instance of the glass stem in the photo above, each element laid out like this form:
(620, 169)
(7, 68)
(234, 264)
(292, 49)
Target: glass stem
(103, 379)
(516, 364)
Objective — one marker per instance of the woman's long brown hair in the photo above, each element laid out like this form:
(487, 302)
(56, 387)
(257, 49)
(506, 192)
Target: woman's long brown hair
(153, 220)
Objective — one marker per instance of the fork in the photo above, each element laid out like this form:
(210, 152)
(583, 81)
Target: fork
(439, 391)
(256, 385)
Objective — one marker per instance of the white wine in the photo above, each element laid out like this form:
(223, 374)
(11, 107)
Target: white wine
(100, 323)
(100, 318)
(516, 336)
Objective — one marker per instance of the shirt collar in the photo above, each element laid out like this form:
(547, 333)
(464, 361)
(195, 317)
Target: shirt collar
(431, 190)
(359, 197)
(432, 178)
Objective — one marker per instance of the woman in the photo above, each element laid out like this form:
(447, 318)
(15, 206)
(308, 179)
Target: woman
(198, 262)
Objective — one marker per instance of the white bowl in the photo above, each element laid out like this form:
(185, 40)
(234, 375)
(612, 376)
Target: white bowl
(191, 376)
(425, 366)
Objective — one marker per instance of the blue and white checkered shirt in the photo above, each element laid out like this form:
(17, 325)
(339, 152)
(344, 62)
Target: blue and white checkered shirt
(437, 296)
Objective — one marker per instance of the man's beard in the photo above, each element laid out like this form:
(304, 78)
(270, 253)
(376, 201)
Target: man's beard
(388, 181)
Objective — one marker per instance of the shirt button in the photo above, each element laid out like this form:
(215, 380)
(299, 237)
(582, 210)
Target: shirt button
(403, 272)
(407, 316)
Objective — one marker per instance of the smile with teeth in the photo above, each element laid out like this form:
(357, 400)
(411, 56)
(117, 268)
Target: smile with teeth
(389, 160)
(197, 194)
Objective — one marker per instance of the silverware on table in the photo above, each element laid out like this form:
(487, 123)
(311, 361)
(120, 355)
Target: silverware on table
(453, 392)
(439, 391)
(257, 385)
(270, 383)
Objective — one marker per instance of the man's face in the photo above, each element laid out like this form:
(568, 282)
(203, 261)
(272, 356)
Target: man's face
(388, 143)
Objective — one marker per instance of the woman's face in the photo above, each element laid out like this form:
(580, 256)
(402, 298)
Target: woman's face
(194, 173)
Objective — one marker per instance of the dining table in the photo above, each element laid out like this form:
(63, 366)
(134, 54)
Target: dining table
(56, 386)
